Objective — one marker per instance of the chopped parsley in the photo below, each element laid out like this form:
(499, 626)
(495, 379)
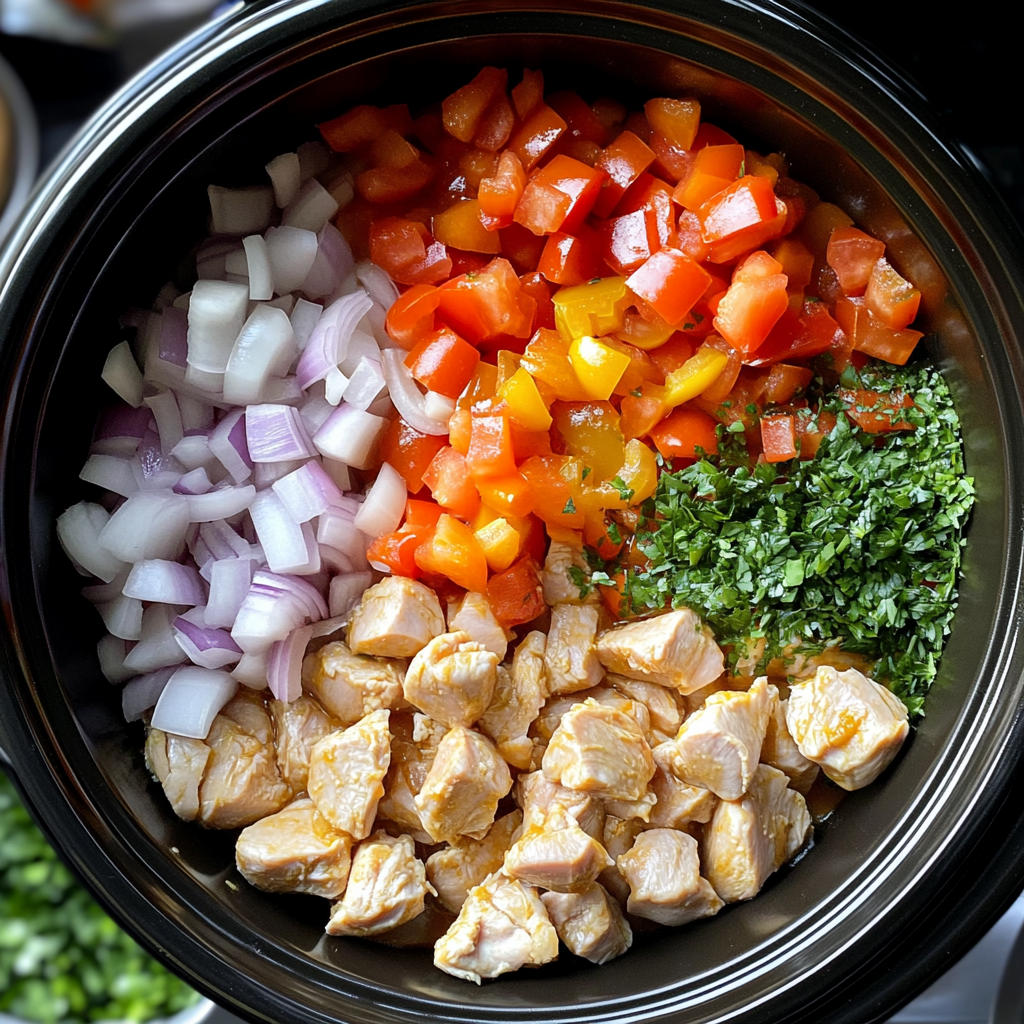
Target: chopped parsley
(569, 508)
(859, 547)
(625, 493)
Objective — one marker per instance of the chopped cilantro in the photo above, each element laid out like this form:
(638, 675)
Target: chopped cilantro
(860, 546)
(614, 533)
(625, 493)
(569, 509)
(579, 579)
(637, 392)
(586, 472)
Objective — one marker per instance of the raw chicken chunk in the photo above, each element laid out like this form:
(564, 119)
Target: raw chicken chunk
(474, 615)
(679, 804)
(295, 850)
(663, 872)
(570, 657)
(540, 798)
(617, 838)
(452, 679)
(241, 784)
(297, 727)
(589, 922)
(718, 747)
(600, 750)
(750, 838)
(386, 888)
(848, 724)
(178, 763)
(556, 581)
(556, 854)
(395, 619)
(464, 864)
(461, 792)
(414, 741)
(674, 649)
(666, 708)
(502, 926)
(780, 751)
(518, 698)
(346, 772)
(349, 685)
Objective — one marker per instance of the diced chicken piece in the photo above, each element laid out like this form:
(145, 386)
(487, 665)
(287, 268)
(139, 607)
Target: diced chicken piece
(474, 615)
(589, 922)
(178, 763)
(550, 718)
(346, 773)
(540, 799)
(462, 789)
(396, 618)
(295, 850)
(464, 864)
(502, 926)
(718, 747)
(641, 808)
(556, 579)
(780, 751)
(242, 783)
(674, 649)
(386, 888)
(349, 685)
(695, 699)
(414, 741)
(748, 839)
(600, 750)
(617, 838)
(297, 727)
(663, 872)
(848, 724)
(452, 679)
(666, 707)
(679, 804)
(556, 854)
(518, 698)
(570, 657)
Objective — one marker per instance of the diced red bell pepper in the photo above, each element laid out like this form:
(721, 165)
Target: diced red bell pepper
(539, 290)
(450, 483)
(891, 298)
(463, 110)
(800, 335)
(516, 595)
(625, 159)
(499, 194)
(559, 196)
(741, 217)
(453, 551)
(626, 241)
(408, 451)
(753, 304)
(522, 248)
(486, 303)
(680, 434)
(411, 315)
(676, 120)
(405, 249)
(691, 241)
(714, 168)
(490, 447)
(443, 362)
(778, 437)
(671, 283)
(553, 479)
(654, 197)
(571, 259)
(539, 131)
(363, 124)
(852, 254)
(812, 430)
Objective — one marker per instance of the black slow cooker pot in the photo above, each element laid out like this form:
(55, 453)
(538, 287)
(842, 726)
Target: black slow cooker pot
(900, 879)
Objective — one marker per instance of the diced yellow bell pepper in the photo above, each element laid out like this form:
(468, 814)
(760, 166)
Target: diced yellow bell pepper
(592, 309)
(598, 367)
(525, 404)
(697, 374)
(501, 543)
(460, 226)
(639, 471)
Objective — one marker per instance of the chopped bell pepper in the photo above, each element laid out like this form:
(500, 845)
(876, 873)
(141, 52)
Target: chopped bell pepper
(460, 226)
(525, 404)
(598, 366)
(453, 551)
(592, 309)
(500, 543)
(443, 362)
(670, 283)
(696, 375)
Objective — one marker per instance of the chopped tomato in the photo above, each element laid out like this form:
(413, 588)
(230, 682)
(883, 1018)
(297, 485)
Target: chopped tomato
(571, 259)
(406, 251)
(675, 120)
(799, 335)
(852, 254)
(537, 134)
(581, 123)
(450, 483)
(755, 300)
(681, 434)
(408, 451)
(623, 161)
(877, 412)
(411, 315)
(464, 109)
(539, 290)
(363, 124)
(516, 595)
(785, 382)
(453, 551)
(485, 303)
(778, 437)
(868, 335)
(393, 184)
(714, 168)
(559, 196)
(443, 362)
(490, 447)
(499, 194)
(641, 412)
(890, 297)
(670, 282)
(396, 552)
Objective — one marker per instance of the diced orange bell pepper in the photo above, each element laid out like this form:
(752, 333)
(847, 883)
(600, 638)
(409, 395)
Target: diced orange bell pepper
(490, 447)
(639, 473)
(625, 159)
(460, 429)
(726, 380)
(676, 120)
(596, 536)
(891, 298)
(411, 315)
(516, 595)
(540, 130)
(454, 551)
(450, 483)
(778, 437)
(363, 124)
(556, 480)
(546, 359)
(499, 194)
(683, 432)
(591, 432)
(641, 412)
(396, 552)
(460, 226)
(409, 451)
(852, 254)
(671, 283)
(797, 263)
(714, 168)
(741, 217)
(559, 196)
(755, 300)
(580, 120)
(509, 494)
(443, 362)
(463, 110)
(392, 150)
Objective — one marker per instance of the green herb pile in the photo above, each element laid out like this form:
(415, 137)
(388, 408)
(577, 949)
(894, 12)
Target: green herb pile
(859, 547)
(61, 957)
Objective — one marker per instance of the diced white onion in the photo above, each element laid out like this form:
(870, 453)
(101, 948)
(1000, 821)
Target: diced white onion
(385, 503)
(230, 579)
(405, 393)
(156, 647)
(285, 542)
(143, 692)
(191, 700)
(365, 384)
(291, 252)
(79, 530)
(241, 211)
(122, 373)
(122, 617)
(265, 348)
(150, 524)
(304, 318)
(216, 314)
(349, 435)
(257, 265)
(111, 651)
(311, 209)
(347, 590)
(285, 176)
(222, 502)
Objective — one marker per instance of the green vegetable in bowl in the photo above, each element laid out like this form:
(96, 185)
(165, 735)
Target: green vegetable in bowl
(61, 957)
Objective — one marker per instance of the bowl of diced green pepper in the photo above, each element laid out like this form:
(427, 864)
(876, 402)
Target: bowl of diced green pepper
(62, 959)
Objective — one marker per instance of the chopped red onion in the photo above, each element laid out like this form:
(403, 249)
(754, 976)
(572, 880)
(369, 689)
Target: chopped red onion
(230, 579)
(223, 502)
(349, 435)
(360, 346)
(315, 410)
(216, 313)
(265, 348)
(328, 344)
(365, 384)
(122, 616)
(266, 474)
(195, 481)
(197, 415)
(266, 615)
(227, 442)
(122, 373)
(274, 433)
(438, 407)
(311, 209)
(206, 646)
(284, 664)
(304, 318)
(304, 589)
(281, 391)
(193, 451)
(251, 671)
(292, 252)
(111, 652)
(406, 395)
(335, 386)
(79, 529)
(119, 430)
(157, 579)
(339, 473)
(150, 524)
(284, 176)
(191, 700)
(346, 591)
(258, 270)
(332, 266)
(100, 593)
(384, 507)
(156, 647)
(377, 283)
(224, 540)
(168, 419)
(143, 692)
(336, 529)
(240, 211)
(111, 473)
(285, 542)
(307, 491)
